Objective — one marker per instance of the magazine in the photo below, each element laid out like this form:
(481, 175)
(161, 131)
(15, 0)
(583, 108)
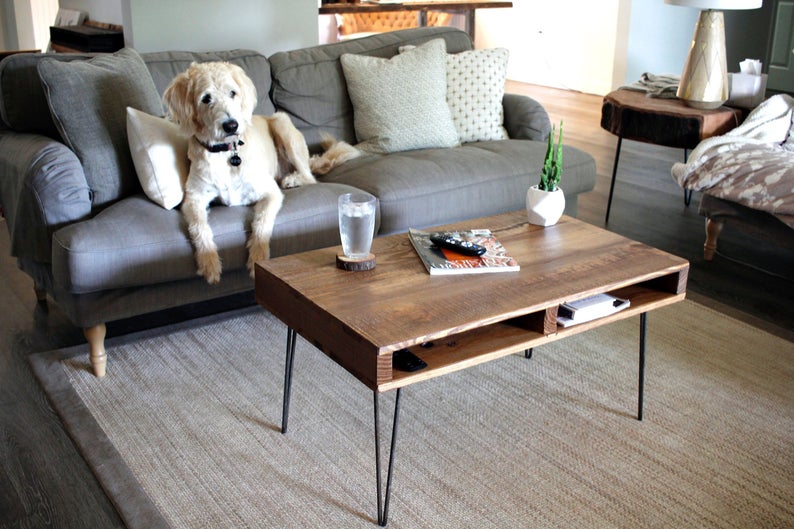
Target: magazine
(440, 261)
(583, 310)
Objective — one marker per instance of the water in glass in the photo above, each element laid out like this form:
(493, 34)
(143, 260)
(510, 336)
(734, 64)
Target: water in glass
(356, 224)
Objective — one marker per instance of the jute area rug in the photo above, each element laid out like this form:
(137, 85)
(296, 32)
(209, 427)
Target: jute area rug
(184, 431)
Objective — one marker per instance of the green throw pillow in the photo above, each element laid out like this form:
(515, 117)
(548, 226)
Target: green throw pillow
(88, 101)
(400, 104)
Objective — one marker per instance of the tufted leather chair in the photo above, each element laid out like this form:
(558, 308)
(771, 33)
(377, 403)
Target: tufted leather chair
(354, 25)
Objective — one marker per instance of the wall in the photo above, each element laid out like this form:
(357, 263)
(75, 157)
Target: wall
(659, 38)
(8, 28)
(585, 45)
(100, 10)
(208, 25)
(597, 46)
(747, 34)
(570, 44)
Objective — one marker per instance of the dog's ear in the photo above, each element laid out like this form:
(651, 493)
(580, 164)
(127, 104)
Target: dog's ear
(176, 99)
(248, 89)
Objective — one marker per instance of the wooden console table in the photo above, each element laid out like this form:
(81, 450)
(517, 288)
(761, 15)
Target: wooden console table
(630, 114)
(449, 6)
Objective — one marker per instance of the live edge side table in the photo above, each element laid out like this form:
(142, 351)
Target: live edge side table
(632, 115)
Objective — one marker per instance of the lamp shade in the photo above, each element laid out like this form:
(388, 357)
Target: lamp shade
(718, 5)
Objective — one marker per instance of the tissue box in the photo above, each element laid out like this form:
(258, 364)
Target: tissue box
(746, 90)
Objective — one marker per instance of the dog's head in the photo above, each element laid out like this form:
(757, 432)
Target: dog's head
(211, 100)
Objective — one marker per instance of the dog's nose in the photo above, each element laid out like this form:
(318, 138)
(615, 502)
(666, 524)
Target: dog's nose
(230, 126)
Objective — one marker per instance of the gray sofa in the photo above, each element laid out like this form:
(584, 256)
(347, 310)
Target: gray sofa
(103, 251)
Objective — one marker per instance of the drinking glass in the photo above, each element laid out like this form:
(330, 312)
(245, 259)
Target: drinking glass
(356, 223)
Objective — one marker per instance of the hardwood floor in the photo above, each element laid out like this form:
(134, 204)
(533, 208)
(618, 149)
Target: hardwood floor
(44, 481)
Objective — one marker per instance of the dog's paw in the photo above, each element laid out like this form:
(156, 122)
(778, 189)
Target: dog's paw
(290, 181)
(297, 179)
(209, 267)
(257, 251)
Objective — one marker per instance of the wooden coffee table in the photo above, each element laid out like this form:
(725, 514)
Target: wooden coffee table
(360, 318)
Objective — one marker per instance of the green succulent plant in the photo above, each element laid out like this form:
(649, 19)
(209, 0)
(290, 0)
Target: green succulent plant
(552, 165)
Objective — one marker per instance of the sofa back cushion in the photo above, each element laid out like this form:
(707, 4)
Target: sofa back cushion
(23, 104)
(88, 101)
(309, 83)
(166, 65)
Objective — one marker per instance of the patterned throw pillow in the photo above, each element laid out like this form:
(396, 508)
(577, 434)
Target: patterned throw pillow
(400, 104)
(475, 88)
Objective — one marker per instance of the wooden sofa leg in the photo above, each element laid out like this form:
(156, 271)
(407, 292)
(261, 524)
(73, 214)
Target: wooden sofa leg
(713, 230)
(96, 343)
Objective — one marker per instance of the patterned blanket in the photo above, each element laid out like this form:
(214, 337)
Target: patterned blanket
(752, 165)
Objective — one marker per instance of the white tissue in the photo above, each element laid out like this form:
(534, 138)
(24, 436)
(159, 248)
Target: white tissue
(750, 66)
(747, 88)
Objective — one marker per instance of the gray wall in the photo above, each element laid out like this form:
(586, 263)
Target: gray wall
(748, 33)
(658, 41)
(8, 30)
(659, 36)
(208, 25)
(100, 10)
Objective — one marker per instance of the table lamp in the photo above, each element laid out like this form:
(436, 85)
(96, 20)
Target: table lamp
(704, 82)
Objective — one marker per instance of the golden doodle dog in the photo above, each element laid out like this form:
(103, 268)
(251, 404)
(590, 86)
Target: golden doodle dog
(238, 158)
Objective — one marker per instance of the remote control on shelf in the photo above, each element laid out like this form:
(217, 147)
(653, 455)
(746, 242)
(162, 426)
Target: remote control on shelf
(445, 240)
(405, 360)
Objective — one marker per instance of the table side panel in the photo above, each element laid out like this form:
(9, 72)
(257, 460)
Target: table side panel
(322, 330)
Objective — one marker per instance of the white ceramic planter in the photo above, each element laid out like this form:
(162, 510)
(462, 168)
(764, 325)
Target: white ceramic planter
(544, 208)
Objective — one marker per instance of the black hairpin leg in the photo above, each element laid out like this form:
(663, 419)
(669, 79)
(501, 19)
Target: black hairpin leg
(643, 325)
(291, 336)
(383, 502)
(528, 353)
(614, 175)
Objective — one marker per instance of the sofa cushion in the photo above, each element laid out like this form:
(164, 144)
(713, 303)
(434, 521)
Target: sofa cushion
(23, 105)
(88, 101)
(475, 88)
(435, 186)
(166, 65)
(159, 152)
(400, 104)
(475, 92)
(135, 242)
(309, 83)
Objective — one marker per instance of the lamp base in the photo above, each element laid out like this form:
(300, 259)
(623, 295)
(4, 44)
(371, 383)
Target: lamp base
(703, 105)
(704, 83)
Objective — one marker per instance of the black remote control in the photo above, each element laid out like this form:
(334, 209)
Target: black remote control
(405, 360)
(445, 240)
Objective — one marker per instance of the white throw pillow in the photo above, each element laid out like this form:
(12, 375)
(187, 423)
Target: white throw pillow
(159, 152)
(475, 89)
(400, 104)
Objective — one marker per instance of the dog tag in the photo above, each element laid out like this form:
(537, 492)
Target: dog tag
(235, 160)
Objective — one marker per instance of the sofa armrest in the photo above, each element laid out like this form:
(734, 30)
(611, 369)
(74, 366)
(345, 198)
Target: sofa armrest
(525, 118)
(42, 187)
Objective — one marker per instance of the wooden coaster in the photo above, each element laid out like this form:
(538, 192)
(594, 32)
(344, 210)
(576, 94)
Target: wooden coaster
(355, 265)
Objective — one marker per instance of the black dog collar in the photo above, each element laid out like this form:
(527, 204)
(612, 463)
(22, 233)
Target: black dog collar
(234, 159)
